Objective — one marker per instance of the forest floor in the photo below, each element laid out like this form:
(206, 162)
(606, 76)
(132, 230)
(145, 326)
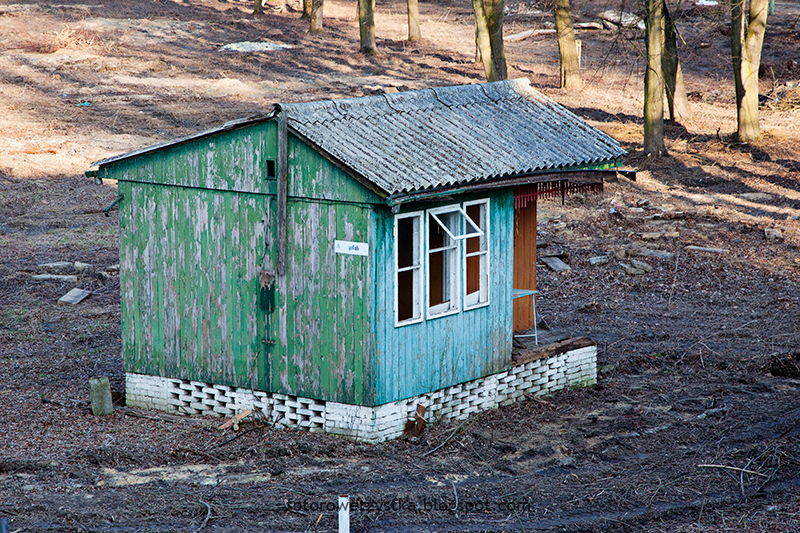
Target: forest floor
(694, 424)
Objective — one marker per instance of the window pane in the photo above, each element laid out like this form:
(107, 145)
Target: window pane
(437, 283)
(476, 276)
(405, 295)
(443, 255)
(408, 268)
(405, 241)
(473, 274)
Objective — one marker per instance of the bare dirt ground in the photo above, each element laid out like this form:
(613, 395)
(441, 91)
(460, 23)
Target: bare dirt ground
(693, 426)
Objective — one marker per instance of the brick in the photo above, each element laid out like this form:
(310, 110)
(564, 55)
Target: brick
(534, 365)
(489, 403)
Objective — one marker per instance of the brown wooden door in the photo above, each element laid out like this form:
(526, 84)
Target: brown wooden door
(524, 263)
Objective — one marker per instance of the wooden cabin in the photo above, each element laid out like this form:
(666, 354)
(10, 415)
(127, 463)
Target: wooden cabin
(355, 253)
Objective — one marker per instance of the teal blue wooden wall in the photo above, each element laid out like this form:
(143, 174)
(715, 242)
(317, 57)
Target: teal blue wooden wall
(427, 356)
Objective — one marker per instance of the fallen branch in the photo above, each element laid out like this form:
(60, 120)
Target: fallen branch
(454, 433)
(742, 470)
(242, 434)
(208, 515)
(702, 340)
(525, 34)
(161, 417)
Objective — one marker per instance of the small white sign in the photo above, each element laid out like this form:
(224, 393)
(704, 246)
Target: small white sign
(350, 248)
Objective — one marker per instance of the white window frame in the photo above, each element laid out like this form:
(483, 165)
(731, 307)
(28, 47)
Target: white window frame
(483, 293)
(457, 278)
(452, 255)
(418, 314)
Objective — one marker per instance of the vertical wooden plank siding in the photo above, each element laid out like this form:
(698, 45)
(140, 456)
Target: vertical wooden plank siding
(524, 263)
(230, 161)
(313, 176)
(440, 352)
(189, 282)
(326, 345)
(323, 321)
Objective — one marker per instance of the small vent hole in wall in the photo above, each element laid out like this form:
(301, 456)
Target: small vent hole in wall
(270, 168)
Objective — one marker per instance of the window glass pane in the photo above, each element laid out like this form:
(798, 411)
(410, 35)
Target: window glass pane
(437, 279)
(408, 268)
(476, 255)
(443, 268)
(405, 295)
(405, 241)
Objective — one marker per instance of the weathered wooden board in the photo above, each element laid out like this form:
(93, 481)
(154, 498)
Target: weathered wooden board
(312, 176)
(190, 260)
(74, 297)
(324, 320)
(234, 160)
(524, 263)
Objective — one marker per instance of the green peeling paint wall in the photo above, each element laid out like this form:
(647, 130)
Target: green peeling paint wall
(200, 296)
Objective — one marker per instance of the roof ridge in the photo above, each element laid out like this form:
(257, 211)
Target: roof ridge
(408, 101)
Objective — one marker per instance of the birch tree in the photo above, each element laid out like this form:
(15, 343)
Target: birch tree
(747, 38)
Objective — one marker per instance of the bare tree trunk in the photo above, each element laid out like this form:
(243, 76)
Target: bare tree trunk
(489, 37)
(306, 9)
(259, 7)
(316, 16)
(366, 24)
(483, 47)
(567, 48)
(747, 38)
(413, 21)
(677, 102)
(653, 80)
(495, 18)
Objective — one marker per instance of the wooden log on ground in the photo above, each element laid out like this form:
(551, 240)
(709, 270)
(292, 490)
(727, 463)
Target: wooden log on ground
(525, 34)
(551, 350)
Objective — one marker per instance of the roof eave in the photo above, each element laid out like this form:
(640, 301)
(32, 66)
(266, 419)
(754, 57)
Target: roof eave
(498, 182)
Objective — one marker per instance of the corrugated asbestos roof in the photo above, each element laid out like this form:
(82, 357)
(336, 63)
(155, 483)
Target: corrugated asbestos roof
(432, 138)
